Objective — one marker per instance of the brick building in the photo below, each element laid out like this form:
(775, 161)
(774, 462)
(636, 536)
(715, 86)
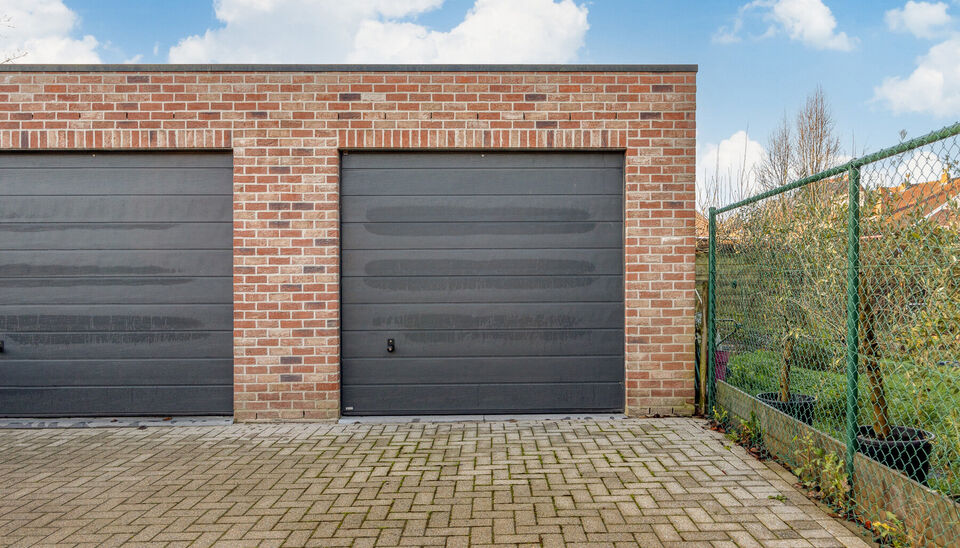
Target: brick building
(297, 242)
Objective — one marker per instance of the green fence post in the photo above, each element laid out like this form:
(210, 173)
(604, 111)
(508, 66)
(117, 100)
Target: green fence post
(853, 313)
(711, 312)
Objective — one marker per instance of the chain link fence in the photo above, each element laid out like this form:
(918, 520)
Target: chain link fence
(835, 330)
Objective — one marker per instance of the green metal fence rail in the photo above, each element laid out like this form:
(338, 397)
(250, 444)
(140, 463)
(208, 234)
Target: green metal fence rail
(844, 287)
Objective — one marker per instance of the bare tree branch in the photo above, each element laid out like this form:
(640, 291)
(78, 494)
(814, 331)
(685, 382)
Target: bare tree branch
(774, 168)
(809, 146)
(9, 57)
(817, 147)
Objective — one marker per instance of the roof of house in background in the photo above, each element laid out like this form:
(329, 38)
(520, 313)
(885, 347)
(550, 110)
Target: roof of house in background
(929, 199)
(703, 226)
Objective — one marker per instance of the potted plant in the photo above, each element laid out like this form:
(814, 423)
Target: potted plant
(788, 243)
(900, 447)
(885, 287)
(798, 406)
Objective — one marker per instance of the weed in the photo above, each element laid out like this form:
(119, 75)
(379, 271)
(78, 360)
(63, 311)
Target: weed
(891, 532)
(833, 483)
(749, 434)
(719, 418)
(823, 472)
(806, 461)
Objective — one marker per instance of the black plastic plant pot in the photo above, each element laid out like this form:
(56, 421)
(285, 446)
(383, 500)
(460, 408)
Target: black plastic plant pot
(799, 407)
(906, 449)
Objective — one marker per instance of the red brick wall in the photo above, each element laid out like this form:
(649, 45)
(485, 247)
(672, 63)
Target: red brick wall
(285, 130)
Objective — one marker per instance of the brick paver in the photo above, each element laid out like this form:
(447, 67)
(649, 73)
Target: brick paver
(647, 482)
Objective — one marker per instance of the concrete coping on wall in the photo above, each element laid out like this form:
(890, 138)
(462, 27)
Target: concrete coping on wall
(12, 67)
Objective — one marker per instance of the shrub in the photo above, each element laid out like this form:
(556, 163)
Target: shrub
(756, 372)
(823, 472)
(818, 355)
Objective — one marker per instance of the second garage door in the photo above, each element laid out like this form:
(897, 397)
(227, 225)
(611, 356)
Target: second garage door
(115, 284)
(482, 282)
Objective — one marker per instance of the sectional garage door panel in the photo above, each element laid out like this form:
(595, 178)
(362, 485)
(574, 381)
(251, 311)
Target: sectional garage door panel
(116, 284)
(121, 317)
(116, 262)
(482, 179)
(482, 262)
(161, 372)
(122, 289)
(482, 289)
(491, 209)
(114, 209)
(478, 316)
(61, 347)
(117, 400)
(478, 370)
(487, 397)
(93, 180)
(120, 236)
(453, 343)
(499, 277)
(477, 235)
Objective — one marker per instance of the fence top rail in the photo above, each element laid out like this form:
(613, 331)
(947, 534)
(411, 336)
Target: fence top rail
(931, 137)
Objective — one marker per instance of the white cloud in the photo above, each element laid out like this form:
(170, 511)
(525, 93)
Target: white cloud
(39, 31)
(811, 22)
(731, 34)
(494, 31)
(727, 170)
(933, 87)
(288, 31)
(922, 19)
(918, 166)
(807, 21)
(316, 31)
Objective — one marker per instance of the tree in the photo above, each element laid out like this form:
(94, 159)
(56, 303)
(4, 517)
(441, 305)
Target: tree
(817, 147)
(797, 147)
(810, 145)
(794, 151)
(775, 169)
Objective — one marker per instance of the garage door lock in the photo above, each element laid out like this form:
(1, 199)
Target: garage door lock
(390, 346)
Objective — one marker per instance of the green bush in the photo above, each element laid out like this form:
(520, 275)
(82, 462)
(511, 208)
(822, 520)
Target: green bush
(818, 355)
(756, 372)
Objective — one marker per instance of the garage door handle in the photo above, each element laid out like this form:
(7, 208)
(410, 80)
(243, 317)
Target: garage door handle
(1, 347)
(390, 346)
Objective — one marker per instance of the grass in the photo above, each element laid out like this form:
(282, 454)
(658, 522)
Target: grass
(926, 398)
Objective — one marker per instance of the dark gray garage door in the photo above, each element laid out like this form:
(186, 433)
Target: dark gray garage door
(115, 284)
(499, 278)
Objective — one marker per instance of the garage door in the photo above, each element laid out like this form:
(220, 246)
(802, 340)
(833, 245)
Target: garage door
(498, 278)
(115, 284)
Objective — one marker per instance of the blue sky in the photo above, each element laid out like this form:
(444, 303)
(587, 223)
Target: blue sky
(884, 65)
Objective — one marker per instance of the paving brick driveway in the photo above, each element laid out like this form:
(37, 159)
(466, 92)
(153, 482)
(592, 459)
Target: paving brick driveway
(647, 482)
